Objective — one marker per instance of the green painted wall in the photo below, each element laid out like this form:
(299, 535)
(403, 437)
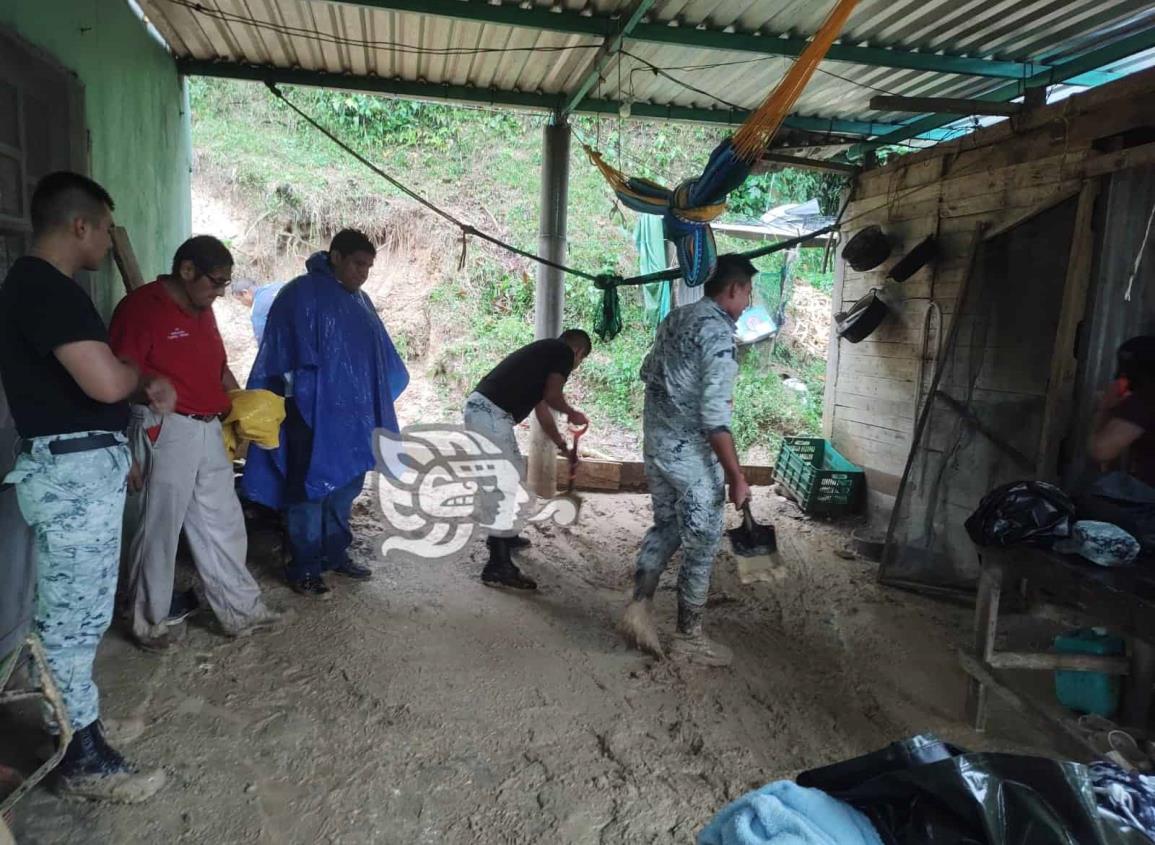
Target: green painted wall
(138, 120)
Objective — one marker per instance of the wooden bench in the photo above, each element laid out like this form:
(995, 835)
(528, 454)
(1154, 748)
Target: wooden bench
(1122, 599)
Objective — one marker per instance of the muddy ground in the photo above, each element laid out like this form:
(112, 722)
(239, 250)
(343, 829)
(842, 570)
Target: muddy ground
(425, 707)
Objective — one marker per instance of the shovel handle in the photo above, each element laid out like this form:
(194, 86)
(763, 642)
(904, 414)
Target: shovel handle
(747, 517)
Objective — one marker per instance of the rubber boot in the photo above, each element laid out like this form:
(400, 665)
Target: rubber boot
(501, 571)
(91, 769)
(637, 623)
(693, 645)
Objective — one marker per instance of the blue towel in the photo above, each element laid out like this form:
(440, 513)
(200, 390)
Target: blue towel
(784, 813)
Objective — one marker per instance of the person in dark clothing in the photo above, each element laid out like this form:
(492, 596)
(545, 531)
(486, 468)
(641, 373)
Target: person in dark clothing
(1124, 425)
(68, 395)
(531, 379)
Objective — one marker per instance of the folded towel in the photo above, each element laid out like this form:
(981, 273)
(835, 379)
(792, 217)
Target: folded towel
(784, 813)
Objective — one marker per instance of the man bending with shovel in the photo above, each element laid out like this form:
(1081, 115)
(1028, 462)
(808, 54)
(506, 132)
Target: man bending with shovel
(689, 454)
(530, 379)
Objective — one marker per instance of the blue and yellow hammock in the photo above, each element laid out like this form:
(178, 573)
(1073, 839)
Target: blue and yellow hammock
(688, 209)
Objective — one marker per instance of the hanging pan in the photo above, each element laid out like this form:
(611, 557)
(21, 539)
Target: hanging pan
(915, 260)
(867, 249)
(863, 318)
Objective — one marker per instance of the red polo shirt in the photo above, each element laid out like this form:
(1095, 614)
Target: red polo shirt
(161, 338)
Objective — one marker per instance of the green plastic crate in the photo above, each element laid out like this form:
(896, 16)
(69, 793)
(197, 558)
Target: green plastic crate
(818, 478)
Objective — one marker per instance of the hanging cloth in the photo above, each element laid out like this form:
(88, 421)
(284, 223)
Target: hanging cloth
(651, 244)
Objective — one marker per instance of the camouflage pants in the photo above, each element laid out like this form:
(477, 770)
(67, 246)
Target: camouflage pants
(687, 490)
(74, 504)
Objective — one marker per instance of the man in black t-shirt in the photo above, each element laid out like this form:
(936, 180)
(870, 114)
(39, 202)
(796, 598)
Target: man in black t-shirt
(531, 379)
(1124, 424)
(68, 396)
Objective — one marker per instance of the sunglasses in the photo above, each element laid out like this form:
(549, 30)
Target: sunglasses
(218, 284)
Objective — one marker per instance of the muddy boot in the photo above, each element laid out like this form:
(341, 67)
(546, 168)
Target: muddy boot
(637, 623)
(501, 571)
(91, 769)
(693, 645)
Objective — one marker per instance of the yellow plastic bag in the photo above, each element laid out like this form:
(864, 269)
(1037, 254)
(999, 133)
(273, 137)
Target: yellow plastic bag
(256, 417)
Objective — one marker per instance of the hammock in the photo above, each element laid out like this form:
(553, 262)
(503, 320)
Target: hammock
(688, 209)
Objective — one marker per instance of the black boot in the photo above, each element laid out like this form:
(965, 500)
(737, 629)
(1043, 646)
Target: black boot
(501, 571)
(91, 769)
(645, 584)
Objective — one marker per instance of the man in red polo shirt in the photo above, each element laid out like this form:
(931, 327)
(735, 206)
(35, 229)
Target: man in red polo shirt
(167, 327)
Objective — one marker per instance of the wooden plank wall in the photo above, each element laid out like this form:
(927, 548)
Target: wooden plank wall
(995, 177)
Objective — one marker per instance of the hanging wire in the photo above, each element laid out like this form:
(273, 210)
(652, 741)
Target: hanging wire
(397, 46)
(466, 229)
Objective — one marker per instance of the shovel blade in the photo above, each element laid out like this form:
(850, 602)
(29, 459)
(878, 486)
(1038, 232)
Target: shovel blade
(756, 541)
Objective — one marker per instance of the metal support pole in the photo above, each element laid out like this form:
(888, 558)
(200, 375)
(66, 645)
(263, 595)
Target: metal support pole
(549, 301)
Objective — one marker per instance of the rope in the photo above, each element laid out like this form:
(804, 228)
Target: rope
(466, 228)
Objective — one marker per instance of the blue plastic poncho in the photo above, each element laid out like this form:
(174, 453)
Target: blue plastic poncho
(344, 375)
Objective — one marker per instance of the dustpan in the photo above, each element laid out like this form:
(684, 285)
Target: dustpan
(756, 548)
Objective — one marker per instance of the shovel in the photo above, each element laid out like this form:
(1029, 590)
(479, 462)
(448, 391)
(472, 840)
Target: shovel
(573, 497)
(756, 548)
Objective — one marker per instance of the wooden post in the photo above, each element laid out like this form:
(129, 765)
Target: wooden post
(125, 259)
(986, 624)
(1057, 411)
(549, 296)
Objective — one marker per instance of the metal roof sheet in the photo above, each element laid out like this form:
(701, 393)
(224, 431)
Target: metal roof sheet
(448, 54)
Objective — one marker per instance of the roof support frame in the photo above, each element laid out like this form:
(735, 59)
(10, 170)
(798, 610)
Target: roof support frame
(767, 44)
(1063, 72)
(605, 53)
(519, 99)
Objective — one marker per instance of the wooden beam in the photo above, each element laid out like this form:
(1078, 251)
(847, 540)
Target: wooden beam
(943, 105)
(125, 259)
(1045, 715)
(769, 160)
(1046, 661)
(1059, 407)
(630, 476)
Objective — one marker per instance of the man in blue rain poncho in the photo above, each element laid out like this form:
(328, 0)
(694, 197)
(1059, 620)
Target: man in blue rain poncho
(326, 350)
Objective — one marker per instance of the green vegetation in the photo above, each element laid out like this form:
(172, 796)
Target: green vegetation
(484, 166)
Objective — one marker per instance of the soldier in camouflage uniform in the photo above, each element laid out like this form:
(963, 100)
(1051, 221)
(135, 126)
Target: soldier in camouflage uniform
(67, 393)
(689, 454)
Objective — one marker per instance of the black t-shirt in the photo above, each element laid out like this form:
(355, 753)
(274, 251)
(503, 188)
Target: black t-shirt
(517, 384)
(40, 310)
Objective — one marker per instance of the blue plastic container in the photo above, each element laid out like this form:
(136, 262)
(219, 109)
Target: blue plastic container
(1089, 692)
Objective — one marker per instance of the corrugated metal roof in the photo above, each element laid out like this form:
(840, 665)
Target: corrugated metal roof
(436, 50)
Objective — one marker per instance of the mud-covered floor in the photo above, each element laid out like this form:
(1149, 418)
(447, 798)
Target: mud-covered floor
(425, 707)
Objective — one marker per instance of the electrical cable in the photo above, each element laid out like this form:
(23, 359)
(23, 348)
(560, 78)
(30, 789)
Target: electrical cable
(466, 228)
(397, 46)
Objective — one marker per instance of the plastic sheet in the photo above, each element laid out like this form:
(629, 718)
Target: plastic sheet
(1101, 543)
(256, 417)
(921, 791)
(1031, 513)
(345, 376)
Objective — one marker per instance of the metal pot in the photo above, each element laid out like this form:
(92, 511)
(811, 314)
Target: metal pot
(863, 318)
(867, 249)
